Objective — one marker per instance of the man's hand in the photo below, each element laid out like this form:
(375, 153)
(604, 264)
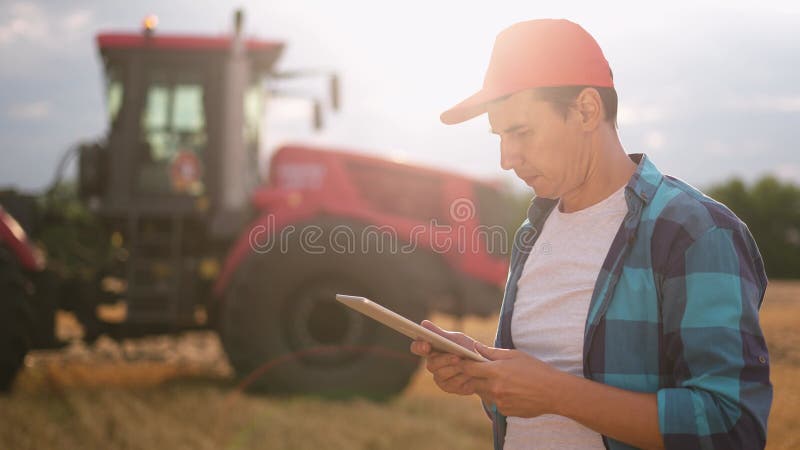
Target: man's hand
(445, 367)
(517, 383)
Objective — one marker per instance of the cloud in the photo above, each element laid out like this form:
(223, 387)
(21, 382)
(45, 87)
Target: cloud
(76, 22)
(788, 172)
(27, 22)
(738, 146)
(640, 114)
(30, 111)
(716, 147)
(654, 140)
(765, 103)
(30, 23)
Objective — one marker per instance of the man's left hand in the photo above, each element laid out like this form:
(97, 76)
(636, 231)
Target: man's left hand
(517, 383)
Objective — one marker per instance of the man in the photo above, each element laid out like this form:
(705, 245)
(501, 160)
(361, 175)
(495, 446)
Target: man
(630, 316)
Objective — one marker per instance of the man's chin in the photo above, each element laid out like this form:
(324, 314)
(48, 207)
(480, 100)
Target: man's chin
(532, 181)
(537, 184)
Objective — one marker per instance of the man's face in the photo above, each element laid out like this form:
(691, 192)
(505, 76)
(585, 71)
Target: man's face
(542, 148)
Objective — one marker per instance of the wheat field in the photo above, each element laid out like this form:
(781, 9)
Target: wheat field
(177, 393)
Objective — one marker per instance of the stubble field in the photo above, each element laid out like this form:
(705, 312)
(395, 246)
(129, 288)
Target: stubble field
(177, 393)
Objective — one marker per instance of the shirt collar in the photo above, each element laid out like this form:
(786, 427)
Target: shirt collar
(645, 181)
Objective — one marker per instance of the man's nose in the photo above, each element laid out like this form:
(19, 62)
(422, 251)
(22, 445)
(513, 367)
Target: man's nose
(510, 155)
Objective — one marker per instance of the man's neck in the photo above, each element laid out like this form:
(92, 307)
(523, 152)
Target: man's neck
(610, 169)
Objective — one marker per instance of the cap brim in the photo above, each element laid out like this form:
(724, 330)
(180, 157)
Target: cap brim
(474, 105)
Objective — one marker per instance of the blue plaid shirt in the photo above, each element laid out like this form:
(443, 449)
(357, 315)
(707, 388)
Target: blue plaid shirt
(674, 312)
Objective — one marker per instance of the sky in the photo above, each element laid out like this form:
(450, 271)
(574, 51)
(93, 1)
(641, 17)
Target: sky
(708, 89)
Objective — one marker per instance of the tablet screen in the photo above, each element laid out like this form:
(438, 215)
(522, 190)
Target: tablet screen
(402, 325)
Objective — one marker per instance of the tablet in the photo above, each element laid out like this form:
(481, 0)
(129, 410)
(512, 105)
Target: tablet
(399, 323)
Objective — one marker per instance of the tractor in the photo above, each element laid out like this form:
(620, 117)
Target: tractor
(171, 220)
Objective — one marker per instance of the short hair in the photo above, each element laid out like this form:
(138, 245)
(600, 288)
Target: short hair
(561, 97)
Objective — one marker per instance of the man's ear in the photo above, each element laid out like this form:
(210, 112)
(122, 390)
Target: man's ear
(590, 109)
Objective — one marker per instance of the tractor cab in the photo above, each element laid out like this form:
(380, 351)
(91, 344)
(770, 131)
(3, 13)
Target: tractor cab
(184, 114)
(174, 177)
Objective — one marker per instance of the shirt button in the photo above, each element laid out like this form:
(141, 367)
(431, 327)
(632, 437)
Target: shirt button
(762, 359)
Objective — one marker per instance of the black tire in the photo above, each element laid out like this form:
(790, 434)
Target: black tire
(15, 319)
(284, 332)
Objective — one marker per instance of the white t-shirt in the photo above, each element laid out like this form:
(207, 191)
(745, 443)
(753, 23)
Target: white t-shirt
(550, 311)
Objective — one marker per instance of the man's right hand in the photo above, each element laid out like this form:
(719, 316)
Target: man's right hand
(445, 366)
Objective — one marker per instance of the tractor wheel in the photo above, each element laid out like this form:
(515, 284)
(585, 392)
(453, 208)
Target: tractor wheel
(284, 332)
(15, 319)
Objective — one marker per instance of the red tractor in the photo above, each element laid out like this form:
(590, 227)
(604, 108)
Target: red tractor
(179, 218)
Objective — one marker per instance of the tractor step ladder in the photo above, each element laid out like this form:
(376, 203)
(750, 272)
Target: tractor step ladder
(157, 292)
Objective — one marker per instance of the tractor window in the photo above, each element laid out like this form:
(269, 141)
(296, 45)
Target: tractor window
(253, 110)
(187, 116)
(253, 113)
(173, 139)
(114, 94)
(114, 99)
(155, 122)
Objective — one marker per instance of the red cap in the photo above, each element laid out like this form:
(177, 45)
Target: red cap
(536, 53)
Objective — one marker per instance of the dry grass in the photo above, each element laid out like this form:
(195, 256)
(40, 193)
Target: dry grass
(177, 394)
(207, 416)
(780, 320)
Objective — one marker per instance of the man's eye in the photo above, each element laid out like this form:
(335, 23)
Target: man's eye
(524, 133)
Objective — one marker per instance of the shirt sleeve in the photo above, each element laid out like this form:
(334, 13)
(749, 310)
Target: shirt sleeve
(715, 352)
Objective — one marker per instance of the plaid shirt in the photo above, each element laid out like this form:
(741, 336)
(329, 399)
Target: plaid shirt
(674, 312)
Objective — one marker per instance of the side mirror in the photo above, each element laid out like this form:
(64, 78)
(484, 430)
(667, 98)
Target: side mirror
(335, 98)
(318, 121)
